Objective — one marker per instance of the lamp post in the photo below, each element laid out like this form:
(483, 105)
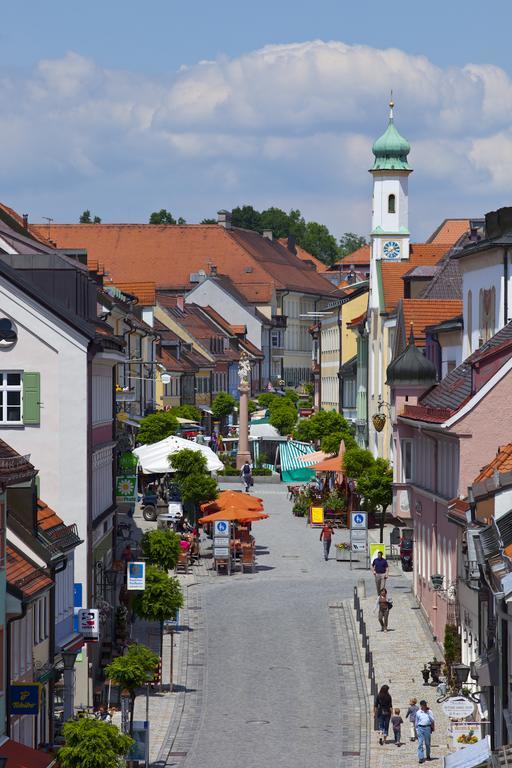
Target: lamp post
(461, 672)
(68, 659)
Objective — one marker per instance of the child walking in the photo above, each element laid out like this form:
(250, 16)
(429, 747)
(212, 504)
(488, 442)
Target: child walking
(396, 722)
(411, 717)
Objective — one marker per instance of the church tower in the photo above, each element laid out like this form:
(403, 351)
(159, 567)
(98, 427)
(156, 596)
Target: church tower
(390, 209)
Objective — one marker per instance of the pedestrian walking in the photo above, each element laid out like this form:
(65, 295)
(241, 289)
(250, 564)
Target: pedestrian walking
(396, 722)
(326, 535)
(246, 475)
(383, 708)
(380, 570)
(410, 715)
(382, 605)
(425, 727)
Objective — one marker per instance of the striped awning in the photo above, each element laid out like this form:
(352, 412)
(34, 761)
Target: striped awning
(291, 466)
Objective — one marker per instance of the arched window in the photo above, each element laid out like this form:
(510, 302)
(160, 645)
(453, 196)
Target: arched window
(391, 204)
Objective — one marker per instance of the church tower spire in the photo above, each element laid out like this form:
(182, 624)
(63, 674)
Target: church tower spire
(390, 212)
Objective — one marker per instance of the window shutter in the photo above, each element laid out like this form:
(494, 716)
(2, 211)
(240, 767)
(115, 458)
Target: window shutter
(31, 398)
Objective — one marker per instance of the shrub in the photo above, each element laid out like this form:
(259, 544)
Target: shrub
(156, 426)
(161, 548)
(223, 405)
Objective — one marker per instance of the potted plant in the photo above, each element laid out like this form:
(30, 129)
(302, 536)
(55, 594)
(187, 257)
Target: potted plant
(341, 548)
(435, 669)
(426, 674)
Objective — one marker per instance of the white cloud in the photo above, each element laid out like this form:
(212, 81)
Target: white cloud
(286, 125)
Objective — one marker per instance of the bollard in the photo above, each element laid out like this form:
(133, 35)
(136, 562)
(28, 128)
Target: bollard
(361, 588)
(370, 659)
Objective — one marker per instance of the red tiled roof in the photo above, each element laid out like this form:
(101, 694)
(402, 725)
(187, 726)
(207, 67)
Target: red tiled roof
(304, 255)
(423, 312)
(256, 265)
(20, 756)
(239, 329)
(450, 231)
(360, 256)
(14, 468)
(393, 271)
(172, 364)
(251, 348)
(357, 320)
(46, 517)
(145, 292)
(502, 462)
(23, 574)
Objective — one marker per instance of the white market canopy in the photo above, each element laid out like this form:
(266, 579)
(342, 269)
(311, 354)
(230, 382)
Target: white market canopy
(265, 432)
(153, 458)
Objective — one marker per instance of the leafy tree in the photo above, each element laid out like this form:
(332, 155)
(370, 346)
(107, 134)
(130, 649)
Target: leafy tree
(160, 600)
(284, 418)
(252, 406)
(85, 218)
(92, 743)
(276, 220)
(318, 241)
(191, 474)
(292, 395)
(265, 399)
(208, 221)
(246, 217)
(331, 443)
(157, 426)
(186, 412)
(223, 405)
(321, 424)
(164, 216)
(356, 461)
(135, 668)
(375, 485)
(349, 243)
(161, 548)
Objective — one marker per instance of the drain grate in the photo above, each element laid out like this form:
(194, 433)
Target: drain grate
(295, 557)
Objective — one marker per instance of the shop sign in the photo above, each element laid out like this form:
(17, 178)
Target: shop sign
(89, 624)
(136, 576)
(458, 707)
(317, 516)
(126, 488)
(128, 462)
(464, 734)
(24, 698)
(359, 546)
(374, 548)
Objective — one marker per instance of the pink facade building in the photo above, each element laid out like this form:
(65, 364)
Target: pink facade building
(442, 434)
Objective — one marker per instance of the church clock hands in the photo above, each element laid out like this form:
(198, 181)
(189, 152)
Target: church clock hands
(391, 249)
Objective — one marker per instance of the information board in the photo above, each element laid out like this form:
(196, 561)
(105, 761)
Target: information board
(316, 516)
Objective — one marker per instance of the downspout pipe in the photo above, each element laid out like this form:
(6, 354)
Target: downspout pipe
(15, 592)
(505, 287)
(340, 358)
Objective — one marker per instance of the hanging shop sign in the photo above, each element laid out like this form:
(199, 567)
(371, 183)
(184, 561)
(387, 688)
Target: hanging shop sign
(136, 576)
(24, 698)
(126, 488)
(89, 624)
(458, 707)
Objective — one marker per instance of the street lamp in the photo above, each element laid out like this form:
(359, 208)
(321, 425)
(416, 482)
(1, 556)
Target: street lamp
(461, 672)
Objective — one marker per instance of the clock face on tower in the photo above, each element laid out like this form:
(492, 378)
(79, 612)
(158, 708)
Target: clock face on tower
(391, 249)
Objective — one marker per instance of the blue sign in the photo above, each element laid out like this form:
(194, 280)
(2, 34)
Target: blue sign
(359, 518)
(24, 698)
(221, 527)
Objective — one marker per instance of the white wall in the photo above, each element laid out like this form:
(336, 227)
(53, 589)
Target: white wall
(482, 271)
(58, 445)
(208, 293)
(385, 185)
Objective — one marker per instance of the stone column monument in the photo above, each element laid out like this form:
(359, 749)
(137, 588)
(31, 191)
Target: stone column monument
(244, 372)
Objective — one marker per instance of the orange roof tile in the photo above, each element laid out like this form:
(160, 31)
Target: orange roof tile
(360, 256)
(502, 462)
(393, 271)
(304, 255)
(241, 329)
(357, 320)
(145, 292)
(23, 574)
(257, 266)
(46, 517)
(422, 312)
(450, 231)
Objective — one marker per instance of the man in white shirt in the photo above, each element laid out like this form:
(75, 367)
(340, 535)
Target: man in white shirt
(425, 726)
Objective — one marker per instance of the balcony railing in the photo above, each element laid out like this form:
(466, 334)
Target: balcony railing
(279, 321)
(472, 574)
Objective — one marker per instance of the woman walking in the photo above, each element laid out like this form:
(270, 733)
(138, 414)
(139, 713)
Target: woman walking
(382, 606)
(383, 709)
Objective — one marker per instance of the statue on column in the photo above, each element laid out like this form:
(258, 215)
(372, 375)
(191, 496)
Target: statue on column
(244, 369)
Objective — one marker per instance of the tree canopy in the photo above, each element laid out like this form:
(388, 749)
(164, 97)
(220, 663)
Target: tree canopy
(375, 485)
(223, 405)
(156, 426)
(86, 218)
(186, 412)
(161, 548)
(356, 461)
(133, 670)
(163, 216)
(92, 743)
(161, 598)
(350, 242)
(191, 474)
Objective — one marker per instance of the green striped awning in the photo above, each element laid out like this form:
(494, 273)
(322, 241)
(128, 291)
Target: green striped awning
(293, 470)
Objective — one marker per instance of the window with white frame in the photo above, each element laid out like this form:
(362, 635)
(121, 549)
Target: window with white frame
(41, 619)
(406, 463)
(11, 397)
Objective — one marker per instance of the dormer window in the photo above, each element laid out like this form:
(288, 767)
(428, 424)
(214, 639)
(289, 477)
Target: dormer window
(391, 204)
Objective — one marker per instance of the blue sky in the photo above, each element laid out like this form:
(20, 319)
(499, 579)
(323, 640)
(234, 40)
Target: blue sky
(109, 107)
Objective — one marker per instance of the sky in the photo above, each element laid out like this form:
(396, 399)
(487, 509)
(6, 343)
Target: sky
(125, 108)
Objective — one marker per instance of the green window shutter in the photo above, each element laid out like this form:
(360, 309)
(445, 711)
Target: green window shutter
(31, 398)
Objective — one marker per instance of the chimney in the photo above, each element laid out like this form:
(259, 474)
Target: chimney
(180, 303)
(224, 219)
(268, 234)
(213, 270)
(25, 221)
(291, 244)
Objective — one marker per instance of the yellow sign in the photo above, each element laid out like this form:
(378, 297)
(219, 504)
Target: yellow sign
(316, 516)
(374, 548)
